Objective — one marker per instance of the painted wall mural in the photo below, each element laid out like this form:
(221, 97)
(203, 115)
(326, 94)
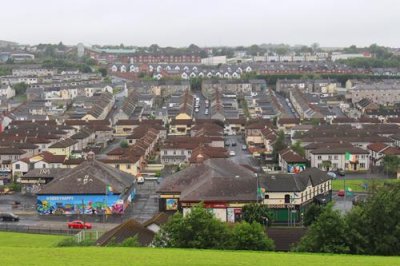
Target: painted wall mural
(296, 168)
(78, 204)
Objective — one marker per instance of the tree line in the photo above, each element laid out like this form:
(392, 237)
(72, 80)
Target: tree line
(370, 228)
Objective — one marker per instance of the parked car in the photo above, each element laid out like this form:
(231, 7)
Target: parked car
(244, 147)
(233, 143)
(140, 180)
(8, 217)
(340, 193)
(196, 110)
(232, 153)
(340, 172)
(332, 174)
(227, 144)
(206, 112)
(78, 224)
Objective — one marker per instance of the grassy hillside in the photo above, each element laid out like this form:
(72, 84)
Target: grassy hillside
(19, 240)
(23, 249)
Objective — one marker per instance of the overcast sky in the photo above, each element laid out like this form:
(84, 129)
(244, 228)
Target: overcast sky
(205, 23)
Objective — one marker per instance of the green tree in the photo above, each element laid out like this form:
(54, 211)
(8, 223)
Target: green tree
(103, 71)
(326, 235)
(374, 226)
(198, 229)
(252, 236)
(326, 165)
(20, 88)
(255, 212)
(297, 147)
(312, 213)
(124, 144)
(279, 144)
(391, 163)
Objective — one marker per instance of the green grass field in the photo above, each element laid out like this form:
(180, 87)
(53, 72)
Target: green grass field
(33, 249)
(357, 184)
(18, 240)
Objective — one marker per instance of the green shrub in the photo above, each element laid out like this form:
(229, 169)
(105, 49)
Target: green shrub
(71, 242)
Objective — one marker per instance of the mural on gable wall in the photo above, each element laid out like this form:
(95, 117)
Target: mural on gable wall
(77, 204)
(296, 168)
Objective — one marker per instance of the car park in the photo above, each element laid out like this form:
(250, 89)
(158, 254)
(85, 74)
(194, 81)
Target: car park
(8, 217)
(78, 224)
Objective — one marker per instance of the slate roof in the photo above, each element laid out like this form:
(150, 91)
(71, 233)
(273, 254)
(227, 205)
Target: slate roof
(293, 183)
(46, 173)
(212, 180)
(127, 229)
(90, 177)
(64, 143)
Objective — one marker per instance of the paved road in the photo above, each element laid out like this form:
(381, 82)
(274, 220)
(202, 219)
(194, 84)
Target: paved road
(242, 156)
(286, 107)
(200, 114)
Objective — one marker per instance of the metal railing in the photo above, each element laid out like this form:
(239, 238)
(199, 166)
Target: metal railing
(36, 230)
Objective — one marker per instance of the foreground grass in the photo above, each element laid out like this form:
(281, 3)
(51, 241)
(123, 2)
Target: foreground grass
(34, 249)
(176, 257)
(357, 185)
(18, 240)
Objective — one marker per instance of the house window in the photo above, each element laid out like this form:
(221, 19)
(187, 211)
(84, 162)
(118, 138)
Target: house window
(335, 157)
(330, 157)
(17, 166)
(43, 166)
(287, 198)
(266, 196)
(165, 152)
(182, 152)
(319, 157)
(362, 165)
(128, 166)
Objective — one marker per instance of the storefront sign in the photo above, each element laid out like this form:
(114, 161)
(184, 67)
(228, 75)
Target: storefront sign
(215, 205)
(169, 196)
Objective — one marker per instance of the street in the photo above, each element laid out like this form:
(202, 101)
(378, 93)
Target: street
(200, 114)
(241, 156)
(285, 105)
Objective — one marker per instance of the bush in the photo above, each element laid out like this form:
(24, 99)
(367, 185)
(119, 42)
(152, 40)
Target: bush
(200, 229)
(312, 213)
(247, 236)
(71, 242)
(124, 144)
(129, 242)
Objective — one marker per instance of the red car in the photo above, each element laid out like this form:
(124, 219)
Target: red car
(340, 193)
(77, 224)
